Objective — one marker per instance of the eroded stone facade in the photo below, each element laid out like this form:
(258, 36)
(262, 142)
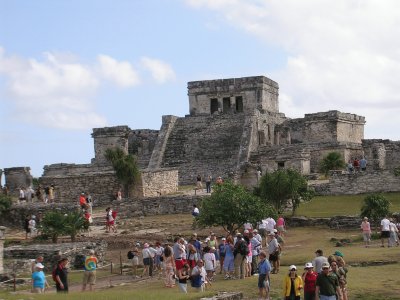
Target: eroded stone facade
(233, 129)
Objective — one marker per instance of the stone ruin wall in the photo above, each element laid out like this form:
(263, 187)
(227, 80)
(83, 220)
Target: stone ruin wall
(109, 137)
(18, 177)
(141, 143)
(331, 126)
(359, 183)
(257, 92)
(102, 186)
(18, 258)
(382, 154)
(156, 183)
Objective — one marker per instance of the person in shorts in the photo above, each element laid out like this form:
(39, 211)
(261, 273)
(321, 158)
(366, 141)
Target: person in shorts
(264, 268)
(89, 275)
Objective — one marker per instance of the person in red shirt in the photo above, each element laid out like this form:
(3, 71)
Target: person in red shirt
(309, 278)
(82, 201)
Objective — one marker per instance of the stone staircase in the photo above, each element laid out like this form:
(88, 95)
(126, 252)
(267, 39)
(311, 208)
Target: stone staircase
(204, 145)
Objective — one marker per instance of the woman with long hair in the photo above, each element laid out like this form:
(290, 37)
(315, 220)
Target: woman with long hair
(169, 267)
(292, 284)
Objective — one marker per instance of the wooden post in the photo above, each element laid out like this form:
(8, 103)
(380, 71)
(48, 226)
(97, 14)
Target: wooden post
(111, 267)
(120, 261)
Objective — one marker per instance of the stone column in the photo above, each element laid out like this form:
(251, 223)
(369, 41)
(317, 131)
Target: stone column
(2, 237)
(108, 138)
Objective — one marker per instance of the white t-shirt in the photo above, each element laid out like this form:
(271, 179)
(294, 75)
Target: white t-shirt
(209, 261)
(385, 225)
(270, 224)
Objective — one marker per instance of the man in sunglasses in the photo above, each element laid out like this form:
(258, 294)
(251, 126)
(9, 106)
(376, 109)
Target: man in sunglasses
(327, 285)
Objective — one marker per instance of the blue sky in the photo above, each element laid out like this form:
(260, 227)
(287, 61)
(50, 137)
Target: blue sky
(67, 66)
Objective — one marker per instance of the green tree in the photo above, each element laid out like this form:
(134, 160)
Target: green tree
(5, 203)
(74, 222)
(333, 161)
(375, 207)
(53, 225)
(125, 166)
(56, 223)
(284, 186)
(230, 206)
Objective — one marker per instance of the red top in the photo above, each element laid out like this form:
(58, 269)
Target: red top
(82, 200)
(309, 281)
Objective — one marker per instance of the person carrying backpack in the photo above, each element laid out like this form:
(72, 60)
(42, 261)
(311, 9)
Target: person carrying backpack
(240, 252)
(60, 276)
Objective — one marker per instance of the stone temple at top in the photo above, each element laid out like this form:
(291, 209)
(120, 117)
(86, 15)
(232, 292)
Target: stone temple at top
(233, 129)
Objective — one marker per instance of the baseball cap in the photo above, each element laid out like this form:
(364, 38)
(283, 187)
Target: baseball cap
(271, 234)
(292, 267)
(338, 253)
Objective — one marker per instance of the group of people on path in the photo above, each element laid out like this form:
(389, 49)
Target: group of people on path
(45, 195)
(356, 165)
(323, 278)
(208, 181)
(60, 271)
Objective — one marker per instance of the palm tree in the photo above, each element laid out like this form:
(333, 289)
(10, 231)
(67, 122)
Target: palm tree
(333, 161)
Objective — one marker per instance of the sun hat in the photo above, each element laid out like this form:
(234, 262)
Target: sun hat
(271, 234)
(223, 239)
(325, 265)
(308, 266)
(292, 267)
(39, 266)
(338, 253)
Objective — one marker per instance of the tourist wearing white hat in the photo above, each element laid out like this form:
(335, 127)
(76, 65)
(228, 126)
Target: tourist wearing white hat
(309, 278)
(292, 284)
(39, 282)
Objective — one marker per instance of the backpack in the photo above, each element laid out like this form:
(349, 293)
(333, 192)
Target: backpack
(53, 274)
(243, 248)
(114, 214)
(130, 254)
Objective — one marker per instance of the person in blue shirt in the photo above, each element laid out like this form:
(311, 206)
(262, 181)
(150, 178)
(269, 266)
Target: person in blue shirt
(39, 281)
(264, 268)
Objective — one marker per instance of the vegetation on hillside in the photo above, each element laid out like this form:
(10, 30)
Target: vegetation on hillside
(56, 223)
(125, 166)
(230, 206)
(5, 203)
(375, 207)
(333, 161)
(284, 187)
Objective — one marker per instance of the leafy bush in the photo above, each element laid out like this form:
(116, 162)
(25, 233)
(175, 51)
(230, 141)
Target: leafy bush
(375, 207)
(396, 171)
(56, 223)
(5, 203)
(333, 161)
(230, 206)
(284, 186)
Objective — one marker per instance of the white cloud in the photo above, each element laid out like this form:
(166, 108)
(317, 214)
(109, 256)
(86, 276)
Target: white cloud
(160, 71)
(341, 54)
(121, 73)
(58, 91)
(54, 92)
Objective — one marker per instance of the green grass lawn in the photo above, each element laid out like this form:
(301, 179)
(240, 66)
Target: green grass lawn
(328, 206)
